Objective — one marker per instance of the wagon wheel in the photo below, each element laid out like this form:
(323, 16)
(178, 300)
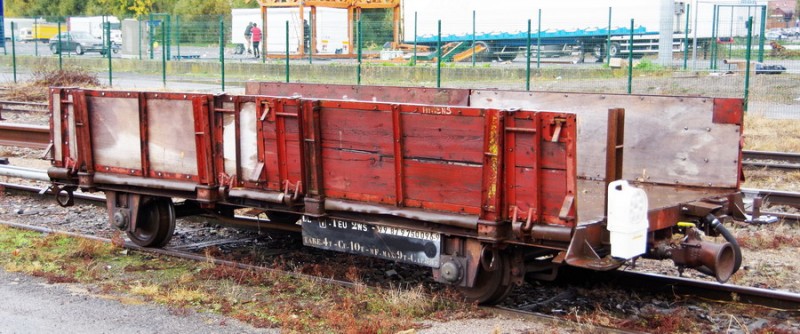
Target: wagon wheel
(489, 286)
(155, 223)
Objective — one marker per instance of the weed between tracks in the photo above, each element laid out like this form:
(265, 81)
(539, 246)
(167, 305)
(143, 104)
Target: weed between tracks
(36, 89)
(259, 298)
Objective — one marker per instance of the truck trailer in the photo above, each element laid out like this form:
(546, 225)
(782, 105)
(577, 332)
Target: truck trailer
(600, 27)
(38, 32)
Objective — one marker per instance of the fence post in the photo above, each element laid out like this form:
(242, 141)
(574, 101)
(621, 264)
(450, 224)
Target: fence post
(358, 69)
(14, 49)
(107, 34)
(178, 35)
(287, 51)
(686, 37)
(222, 49)
(630, 59)
(747, 61)
(714, 26)
(150, 29)
(439, 56)
(761, 34)
(163, 56)
(35, 32)
(139, 20)
(60, 63)
(528, 60)
(415, 40)
(539, 41)
(167, 47)
(473, 38)
(608, 40)
(310, 39)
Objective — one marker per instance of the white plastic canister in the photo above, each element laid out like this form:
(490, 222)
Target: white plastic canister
(627, 219)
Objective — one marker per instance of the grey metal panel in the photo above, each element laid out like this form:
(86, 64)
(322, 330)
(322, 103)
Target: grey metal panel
(248, 141)
(58, 152)
(229, 143)
(72, 133)
(667, 139)
(116, 135)
(171, 144)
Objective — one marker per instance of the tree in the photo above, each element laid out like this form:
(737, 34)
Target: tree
(376, 26)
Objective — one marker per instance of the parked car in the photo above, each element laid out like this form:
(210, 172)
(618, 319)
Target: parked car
(77, 41)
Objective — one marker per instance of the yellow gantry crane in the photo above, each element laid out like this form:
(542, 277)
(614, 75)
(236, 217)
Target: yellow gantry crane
(353, 7)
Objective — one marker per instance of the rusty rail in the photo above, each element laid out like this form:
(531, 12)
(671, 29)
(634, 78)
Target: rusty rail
(10, 106)
(767, 159)
(775, 197)
(24, 135)
(785, 300)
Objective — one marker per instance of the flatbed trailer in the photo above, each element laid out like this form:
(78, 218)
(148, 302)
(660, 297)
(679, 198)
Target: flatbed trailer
(486, 187)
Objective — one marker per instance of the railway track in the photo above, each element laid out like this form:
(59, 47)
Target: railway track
(778, 300)
(708, 290)
(772, 160)
(183, 253)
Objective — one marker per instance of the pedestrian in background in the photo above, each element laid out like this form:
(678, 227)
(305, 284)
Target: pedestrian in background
(247, 35)
(256, 32)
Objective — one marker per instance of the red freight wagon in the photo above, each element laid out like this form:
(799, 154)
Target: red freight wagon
(483, 186)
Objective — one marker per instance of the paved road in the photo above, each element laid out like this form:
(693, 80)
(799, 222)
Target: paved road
(30, 305)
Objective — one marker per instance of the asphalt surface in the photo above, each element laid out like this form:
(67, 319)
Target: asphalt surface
(29, 305)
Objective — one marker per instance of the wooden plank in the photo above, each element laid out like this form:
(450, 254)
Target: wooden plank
(455, 185)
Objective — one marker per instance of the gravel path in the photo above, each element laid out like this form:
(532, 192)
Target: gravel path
(30, 305)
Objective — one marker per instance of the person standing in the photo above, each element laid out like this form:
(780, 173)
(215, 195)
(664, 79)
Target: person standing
(256, 35)
(247, 35)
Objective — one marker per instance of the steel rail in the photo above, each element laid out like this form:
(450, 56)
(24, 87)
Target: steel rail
(24, 135)
(179, 252)
(729, 293)
(784, 300)
(768, 159)
(775, 197)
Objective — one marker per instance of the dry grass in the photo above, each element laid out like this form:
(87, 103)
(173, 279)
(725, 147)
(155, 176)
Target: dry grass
(263, 299)
(765, 134)
(37, 88)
